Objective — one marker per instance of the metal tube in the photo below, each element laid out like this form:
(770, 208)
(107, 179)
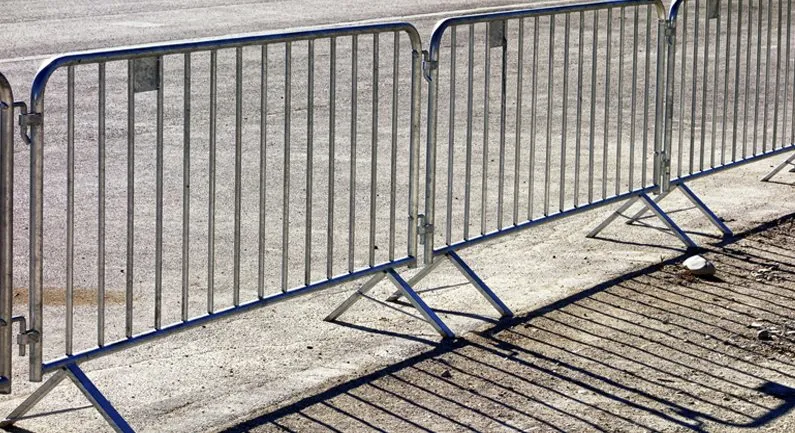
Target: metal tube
(101, 206)
(263, 167)
(747, 80)
(592, 129)
(310, 155)
(683, 77)
(374, 152)
(393, 155)
(35, 306)
(354, 119)
(607, 102)
(532, 156)
(561, 203)
(518, 145)
(129, 281)
(238, 174)
(484, 191)
(332, 125)
(550, 90)
(286, 169)
(758, 73)
(704, 79)
(694, 92)
(450, 140)
(211, 183)
(159, 201)
(633, 109)
(578, 143)
(503, 115)
(737, 78)
(6, 231)
(470, 97)
(726, 82)
(663, 125)
(778, 68)
(646, 86)
(70, 208)
(714, 92)
(767, 73)
(620, 129)
(786, 78)
(186, 118)
(414, 156)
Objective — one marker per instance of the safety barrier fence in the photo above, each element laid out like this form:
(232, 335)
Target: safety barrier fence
(177, 184)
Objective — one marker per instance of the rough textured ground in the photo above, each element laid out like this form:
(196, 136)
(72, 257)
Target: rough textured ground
(655, 350)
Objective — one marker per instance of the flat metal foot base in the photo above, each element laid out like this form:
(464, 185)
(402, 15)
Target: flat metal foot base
(84, 384)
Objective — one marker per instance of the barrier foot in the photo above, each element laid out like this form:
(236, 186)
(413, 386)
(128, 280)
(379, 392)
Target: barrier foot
(84, 384)
(782, 166)
(405, 290)
(473, 278)
(651, 205)
(696, 201)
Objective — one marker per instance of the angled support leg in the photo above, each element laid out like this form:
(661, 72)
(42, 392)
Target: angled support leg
(84, 384)
(473, 278)
(714, 219)
(657, 199)
(782, 166)
(612, 217)
(668, 222)
(405, 290)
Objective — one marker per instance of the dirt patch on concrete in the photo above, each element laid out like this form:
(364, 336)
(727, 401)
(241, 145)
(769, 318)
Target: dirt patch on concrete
(656, 350)
(56, 296)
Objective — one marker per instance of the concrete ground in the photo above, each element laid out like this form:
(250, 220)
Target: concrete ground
(207, 378)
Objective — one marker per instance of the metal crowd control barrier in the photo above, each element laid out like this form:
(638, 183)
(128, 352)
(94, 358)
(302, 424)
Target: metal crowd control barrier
(572, 129)
(730, 79)
(135, 167)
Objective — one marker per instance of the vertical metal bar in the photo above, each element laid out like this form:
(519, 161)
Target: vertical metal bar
(704, 79)
(737, 78)
(374, 152)
(211, 183)
(503, 116)
(767, 73)
(683, 79)
(450, 140)
(592, 128)
(354, 119)
(310, 156)
(70, 208)
(758, 73)
(470, 97)
(663, 105)
(786, 78)
(332, 128)
(6, 231)
(485, 173)
(646, 86)
(238, 174)
(101, 206)
(263, 166)
(778, 68)
(130, 200)
(694, 92)
(550, 89)
(607, 101)
(288, 106)
(714, 91)
(620, 129)
(159, 200)
(747, 89)
(35, 305)
(532, 156)
(186, 118)
(578, 143)
(633, 110)
(414, 155)
(518, 133)
(726, 81)
(393, 155)
(565, 119)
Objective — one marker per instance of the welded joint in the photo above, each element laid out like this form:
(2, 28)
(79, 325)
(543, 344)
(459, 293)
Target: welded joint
(428, 65)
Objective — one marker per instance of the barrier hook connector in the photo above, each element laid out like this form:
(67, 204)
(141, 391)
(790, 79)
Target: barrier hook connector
(428, 65)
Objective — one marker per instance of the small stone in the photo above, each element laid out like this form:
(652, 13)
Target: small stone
(446, 374)
(698, 265)
(757, 325)
(764, 335)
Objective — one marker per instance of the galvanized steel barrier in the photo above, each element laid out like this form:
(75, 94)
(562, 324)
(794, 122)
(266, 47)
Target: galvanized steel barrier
(574, 107)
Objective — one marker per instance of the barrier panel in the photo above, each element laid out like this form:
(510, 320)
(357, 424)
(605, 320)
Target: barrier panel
(302, 177)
